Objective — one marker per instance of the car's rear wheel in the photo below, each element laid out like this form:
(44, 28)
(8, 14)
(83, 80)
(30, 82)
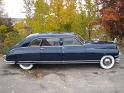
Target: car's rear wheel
(107, 62)
(26, 66)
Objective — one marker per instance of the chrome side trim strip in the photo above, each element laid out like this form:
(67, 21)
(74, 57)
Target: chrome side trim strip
(65, 61)
(59, 62)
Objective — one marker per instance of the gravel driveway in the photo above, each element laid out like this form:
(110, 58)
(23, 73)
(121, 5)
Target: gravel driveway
(83, 78)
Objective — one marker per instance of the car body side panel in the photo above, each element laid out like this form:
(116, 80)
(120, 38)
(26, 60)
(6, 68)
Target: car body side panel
(25, 54)
(97, 54)
(97, 51)
(59, 53)
(73, 53)
(93, 54)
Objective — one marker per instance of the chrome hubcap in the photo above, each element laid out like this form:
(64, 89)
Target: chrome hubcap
(107, 62)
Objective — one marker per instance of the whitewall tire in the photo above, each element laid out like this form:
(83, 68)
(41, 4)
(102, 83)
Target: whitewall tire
(26, 66)
(107, 62)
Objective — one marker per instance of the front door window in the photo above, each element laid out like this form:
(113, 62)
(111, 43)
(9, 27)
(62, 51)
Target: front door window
(71, 41)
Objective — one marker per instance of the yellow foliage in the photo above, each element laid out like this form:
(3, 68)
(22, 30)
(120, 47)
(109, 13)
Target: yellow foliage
(19, 25)
(3, 29)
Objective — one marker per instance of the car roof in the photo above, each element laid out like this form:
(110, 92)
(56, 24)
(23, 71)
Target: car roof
(47, 35)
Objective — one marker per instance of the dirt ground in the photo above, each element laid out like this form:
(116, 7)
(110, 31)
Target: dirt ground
(81, 78)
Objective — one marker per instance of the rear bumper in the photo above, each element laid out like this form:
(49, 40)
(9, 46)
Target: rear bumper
(7, 62)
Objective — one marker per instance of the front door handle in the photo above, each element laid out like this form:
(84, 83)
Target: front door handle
(41, 48)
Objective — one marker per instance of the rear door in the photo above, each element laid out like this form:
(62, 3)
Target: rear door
(51, 50)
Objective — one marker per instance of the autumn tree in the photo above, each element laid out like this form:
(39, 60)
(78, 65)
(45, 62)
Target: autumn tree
(63, 12)
(1, 8)
(20, 27)
(63, 16)
(88, 15)
(112, 17)
(2, 27)
(28, 6)
(5, 23)
(29, 9)
(38, 20)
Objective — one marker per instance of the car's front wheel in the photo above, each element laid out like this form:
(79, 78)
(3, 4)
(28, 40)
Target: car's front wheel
(107, 62)
(26, 66)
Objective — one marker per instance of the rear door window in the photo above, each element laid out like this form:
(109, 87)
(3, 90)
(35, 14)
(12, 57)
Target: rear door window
(50, 42)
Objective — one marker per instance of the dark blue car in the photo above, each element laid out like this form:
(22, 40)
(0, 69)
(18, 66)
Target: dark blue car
(64, 48)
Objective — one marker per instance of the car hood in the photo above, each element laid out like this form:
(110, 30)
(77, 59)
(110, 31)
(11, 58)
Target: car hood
(100, 44)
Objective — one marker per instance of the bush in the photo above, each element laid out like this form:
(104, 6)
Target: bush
(11, 39)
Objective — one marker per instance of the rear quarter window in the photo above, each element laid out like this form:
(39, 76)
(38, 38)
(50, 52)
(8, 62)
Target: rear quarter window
(35, 42)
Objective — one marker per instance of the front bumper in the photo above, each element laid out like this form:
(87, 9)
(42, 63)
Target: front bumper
(7, 62)
(118, 58)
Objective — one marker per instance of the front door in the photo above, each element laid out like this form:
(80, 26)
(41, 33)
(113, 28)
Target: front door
(72, 49)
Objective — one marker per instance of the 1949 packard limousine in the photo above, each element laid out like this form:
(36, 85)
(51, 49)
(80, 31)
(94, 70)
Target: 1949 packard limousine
(61, 48)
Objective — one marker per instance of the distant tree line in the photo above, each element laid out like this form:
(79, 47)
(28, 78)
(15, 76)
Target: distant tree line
(89, 18)
(60, 16)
